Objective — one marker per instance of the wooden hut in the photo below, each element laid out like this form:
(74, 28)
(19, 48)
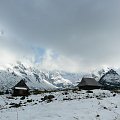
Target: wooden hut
(20, 89)
(88, 84)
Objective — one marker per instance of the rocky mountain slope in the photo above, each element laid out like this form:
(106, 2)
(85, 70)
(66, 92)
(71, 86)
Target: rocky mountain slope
(111, 79)
(34, 77)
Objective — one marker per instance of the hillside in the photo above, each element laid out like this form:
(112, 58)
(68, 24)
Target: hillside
(111, 79)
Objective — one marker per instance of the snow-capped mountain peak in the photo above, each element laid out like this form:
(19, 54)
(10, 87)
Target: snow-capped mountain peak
(59, 81)
(110, 79)
(35, 78)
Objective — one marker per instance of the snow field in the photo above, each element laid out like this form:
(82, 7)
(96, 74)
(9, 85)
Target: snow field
(100, 105)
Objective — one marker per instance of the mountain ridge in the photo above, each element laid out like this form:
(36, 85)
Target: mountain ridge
(35, 78)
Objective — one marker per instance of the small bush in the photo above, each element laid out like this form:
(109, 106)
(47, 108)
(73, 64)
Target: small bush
(51, 96)
(22, 98)
(87, 96)
(10, 97)
(97, 115)
(67, 99)
(42, 99)
(89, 91)
(29, 100)
(48, 98)
(105, 107)
(12, 104)
(35, 104)
(66, 93)
(15, 105)
(48, 101)
(114, 95)
(116, 106)
(1, 93)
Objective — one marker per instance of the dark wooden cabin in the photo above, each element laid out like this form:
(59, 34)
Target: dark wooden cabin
(89, 84)
(20, 89)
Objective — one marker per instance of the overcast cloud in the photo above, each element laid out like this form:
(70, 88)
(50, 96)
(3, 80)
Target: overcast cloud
(85, 32)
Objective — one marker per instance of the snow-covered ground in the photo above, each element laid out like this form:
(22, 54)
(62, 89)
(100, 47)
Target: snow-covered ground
(67, 105)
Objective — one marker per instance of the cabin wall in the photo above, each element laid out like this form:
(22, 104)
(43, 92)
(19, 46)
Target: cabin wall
(19, 92)
(89, 87)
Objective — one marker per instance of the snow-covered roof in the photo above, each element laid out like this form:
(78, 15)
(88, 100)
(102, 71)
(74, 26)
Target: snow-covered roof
(20, 88)
(21, 84)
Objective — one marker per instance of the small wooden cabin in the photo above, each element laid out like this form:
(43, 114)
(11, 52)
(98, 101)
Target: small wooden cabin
(89, 84)
(20, 89)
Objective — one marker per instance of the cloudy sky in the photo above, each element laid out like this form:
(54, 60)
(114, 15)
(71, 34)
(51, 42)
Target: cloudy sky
(71, 35)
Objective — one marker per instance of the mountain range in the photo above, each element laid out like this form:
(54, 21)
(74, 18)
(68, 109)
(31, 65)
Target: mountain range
(37, 78)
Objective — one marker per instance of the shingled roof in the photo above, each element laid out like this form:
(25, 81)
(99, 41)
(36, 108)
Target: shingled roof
(88, 82)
